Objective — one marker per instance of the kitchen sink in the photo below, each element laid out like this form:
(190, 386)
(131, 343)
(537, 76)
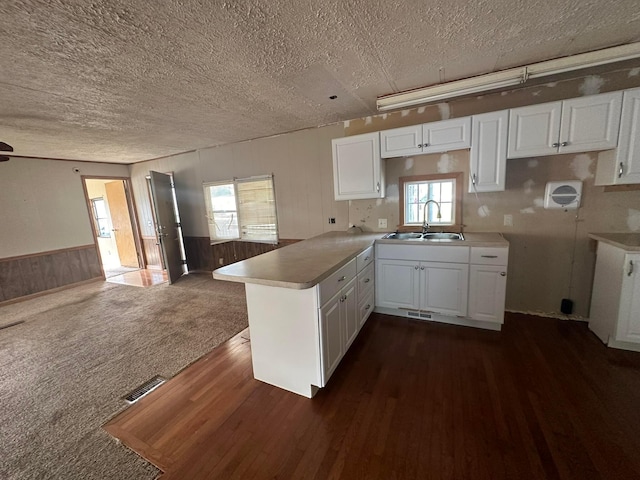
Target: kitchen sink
(442, 236)
(424, 236)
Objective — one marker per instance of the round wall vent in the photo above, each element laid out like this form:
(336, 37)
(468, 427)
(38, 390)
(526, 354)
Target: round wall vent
(564, 195)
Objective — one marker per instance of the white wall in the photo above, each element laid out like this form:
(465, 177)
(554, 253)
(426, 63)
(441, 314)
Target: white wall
(42, 204)
(303, 176)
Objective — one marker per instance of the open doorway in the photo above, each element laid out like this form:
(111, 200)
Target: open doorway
(114, 227)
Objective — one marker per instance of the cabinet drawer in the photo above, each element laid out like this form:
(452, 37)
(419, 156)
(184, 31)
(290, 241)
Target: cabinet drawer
(424, 253)
(489, 255)
(365, 307)
(332, 284)
(366, 281)
(365, 258)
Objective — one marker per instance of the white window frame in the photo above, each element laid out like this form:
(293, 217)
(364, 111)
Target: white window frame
(242, 235)
(432, 220)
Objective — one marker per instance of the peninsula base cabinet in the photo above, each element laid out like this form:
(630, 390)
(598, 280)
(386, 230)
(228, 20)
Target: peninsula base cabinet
(338, 328)
(615, 300)
(298, 337)
(466, 286)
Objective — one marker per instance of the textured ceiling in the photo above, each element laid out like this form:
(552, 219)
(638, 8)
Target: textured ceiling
(124, 81)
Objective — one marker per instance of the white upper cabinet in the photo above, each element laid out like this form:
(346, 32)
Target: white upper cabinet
(488, 157)
(402, 141)
(454, 134)
(533, 130)
(434, 137)
(582, 124)
(357, 167)
(623, 166)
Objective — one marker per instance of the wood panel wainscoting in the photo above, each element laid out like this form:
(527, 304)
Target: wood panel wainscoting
(28, 275)
(201, 255)
(152, 253)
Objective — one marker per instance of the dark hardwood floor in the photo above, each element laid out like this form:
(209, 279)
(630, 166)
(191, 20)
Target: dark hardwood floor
(543, 399)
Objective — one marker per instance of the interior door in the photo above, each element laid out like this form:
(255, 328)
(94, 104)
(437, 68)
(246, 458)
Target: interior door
(168, 233)
(121, 223)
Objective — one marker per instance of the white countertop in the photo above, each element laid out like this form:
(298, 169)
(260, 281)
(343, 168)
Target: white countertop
(305, 264)
(625, 241)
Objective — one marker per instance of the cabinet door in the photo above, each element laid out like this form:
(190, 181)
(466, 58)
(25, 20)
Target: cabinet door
(627, 166)
(446, 135)
(331, 336)
(628, 329)
(487, 288)
(401, 141)
(443, 288)
(350, 318)
(590, 123)
(397, 284)
(357, 167)
(534, 130)
(488, 155)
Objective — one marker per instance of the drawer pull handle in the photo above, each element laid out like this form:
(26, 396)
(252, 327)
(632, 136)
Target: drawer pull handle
(621, 170)
(416, 267)
(367, 307)
(421, 268)
(630, 268)
(503, 274)
(366, 258)
(489, 256)
(367, 280)
(342, 278)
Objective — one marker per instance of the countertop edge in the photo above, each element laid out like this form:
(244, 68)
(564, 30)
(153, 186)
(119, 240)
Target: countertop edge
(602, 237)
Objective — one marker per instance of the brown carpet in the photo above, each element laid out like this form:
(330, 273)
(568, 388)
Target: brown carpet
(63, 372)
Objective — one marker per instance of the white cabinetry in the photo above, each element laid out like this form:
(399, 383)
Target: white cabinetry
(488, 283)
(357, 167)
(366, 285)
(583, 124)
(434, 137)
(615, 300)
(422, 278)
(338, 327)
(488, 156)
(622, 166)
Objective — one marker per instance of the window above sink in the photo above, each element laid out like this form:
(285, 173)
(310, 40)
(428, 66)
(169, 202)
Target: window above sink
(444, 191)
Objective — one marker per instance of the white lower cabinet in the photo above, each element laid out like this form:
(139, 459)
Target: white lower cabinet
(467, 286)
(615, 300)
(338, 327)
(342, 316)
(487, 289)
(488, 283)
(428, 286)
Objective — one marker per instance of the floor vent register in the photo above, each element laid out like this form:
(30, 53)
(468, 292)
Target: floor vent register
(144, 389)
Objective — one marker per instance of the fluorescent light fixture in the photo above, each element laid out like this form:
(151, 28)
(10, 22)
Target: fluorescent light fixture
(507, 78)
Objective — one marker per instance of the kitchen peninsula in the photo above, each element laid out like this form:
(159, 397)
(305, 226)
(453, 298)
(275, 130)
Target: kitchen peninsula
(308, 301)
(304, 306)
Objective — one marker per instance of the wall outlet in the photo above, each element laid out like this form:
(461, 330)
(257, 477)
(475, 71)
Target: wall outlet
(332, 220)
(382, 223)
(221, 261)
(508, 220)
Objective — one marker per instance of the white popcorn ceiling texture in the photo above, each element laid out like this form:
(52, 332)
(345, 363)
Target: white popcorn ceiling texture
(124, 81)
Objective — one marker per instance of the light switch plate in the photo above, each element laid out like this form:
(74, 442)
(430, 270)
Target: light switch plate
(508, 220)
(382, 223)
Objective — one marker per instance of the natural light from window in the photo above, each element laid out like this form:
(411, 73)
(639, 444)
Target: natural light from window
(242, 209)
(417, 193)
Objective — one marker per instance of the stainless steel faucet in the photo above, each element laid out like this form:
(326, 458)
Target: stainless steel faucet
(425, 224)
